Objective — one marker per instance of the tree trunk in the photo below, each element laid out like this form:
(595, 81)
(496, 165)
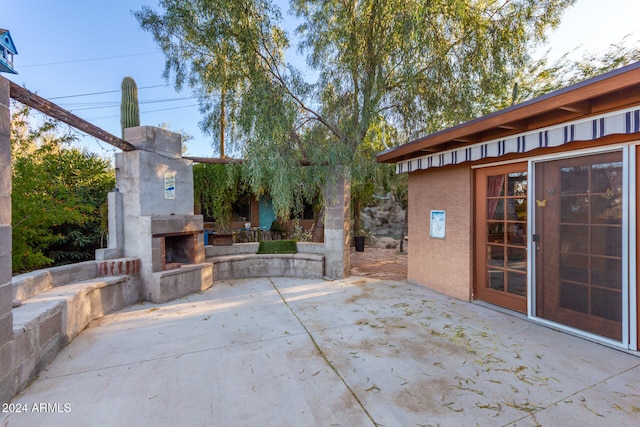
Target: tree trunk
(356, 214)
(404, 229)
(222, 122)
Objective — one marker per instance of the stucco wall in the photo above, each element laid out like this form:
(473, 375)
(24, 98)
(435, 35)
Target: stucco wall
(441, 264)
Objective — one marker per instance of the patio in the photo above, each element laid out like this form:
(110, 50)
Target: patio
(359, 351)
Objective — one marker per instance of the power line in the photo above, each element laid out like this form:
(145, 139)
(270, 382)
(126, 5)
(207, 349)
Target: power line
(117, 104)
(170, 108)
(88, 60)
(145, 112)
(107, 91)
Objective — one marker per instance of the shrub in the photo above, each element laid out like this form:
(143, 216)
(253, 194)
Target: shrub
(278, 247)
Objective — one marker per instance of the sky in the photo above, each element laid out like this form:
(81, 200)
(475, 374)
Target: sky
(75, 53)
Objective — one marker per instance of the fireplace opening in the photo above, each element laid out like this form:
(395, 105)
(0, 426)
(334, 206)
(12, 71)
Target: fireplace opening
(179, 250)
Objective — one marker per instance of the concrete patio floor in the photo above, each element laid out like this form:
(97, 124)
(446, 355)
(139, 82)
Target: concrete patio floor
(354, 352)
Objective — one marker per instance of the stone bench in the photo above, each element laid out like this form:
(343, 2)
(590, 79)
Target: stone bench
(241, 261)
(58, 303)
(30, 284)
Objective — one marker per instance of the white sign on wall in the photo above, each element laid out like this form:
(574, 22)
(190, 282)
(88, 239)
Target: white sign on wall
(170, 185)
(438, 224)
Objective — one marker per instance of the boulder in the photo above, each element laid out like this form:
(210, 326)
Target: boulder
(385, 217)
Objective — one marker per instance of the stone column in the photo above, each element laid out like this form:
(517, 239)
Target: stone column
(156, 192)
(116, 221)
(115, 247)
(6, 292)
(337, 224)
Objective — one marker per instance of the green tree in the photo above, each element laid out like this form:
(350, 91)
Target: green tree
(417, 66)
(216, 187)
(542, 77)
(370, 178)
(57, 193)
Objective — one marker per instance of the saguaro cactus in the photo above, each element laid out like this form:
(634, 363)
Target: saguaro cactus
(129, 110)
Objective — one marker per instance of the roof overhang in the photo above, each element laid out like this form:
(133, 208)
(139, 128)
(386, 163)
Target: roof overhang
(615, 90)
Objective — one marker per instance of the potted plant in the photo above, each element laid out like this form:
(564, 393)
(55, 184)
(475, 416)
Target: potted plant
(359, 236)
(222, 236)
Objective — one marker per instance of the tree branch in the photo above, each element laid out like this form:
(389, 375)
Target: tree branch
(274, 71)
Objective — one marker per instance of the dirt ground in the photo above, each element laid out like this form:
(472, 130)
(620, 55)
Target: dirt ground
(380, 262)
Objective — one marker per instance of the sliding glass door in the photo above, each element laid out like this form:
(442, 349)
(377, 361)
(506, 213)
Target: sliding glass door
(578, 239)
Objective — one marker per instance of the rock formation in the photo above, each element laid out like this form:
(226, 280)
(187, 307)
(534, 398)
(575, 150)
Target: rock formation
(385, 217)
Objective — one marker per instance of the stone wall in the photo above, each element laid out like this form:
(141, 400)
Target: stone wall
(59, 302)
(6, 291)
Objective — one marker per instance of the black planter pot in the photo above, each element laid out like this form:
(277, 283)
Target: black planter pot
(359, 242)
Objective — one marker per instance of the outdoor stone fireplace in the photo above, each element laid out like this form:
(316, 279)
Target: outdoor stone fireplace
(177, 250)
(176, 240)
(151, 216)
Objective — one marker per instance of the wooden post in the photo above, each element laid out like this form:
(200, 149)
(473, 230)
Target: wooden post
(52, 110)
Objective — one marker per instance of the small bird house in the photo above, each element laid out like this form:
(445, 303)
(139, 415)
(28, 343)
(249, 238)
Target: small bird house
(7, 50)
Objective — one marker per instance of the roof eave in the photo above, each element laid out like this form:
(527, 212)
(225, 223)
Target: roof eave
(564, 98)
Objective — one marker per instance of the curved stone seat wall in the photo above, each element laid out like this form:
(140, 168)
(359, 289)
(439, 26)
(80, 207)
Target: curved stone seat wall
(56, 305)
(30, 284)
(241, 261)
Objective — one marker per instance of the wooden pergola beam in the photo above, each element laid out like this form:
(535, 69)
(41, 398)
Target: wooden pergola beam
(226, 160)
(213, 160)
(30, 99)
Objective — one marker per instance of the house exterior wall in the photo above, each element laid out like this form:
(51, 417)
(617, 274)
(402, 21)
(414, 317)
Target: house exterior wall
(444, 265)
(255, 219)
(589, 116)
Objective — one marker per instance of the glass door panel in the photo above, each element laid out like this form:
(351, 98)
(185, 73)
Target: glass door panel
(501, 236)
(578, 230)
